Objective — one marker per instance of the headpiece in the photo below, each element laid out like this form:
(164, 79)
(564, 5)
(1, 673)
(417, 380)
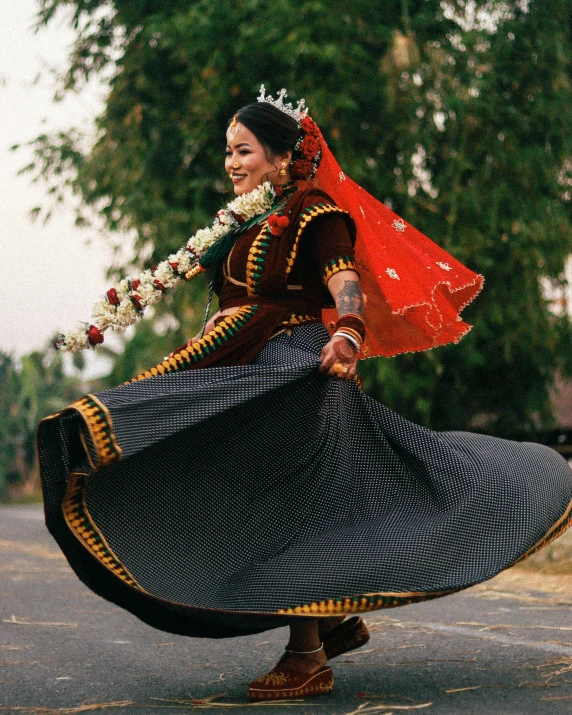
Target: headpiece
(307, 151)
(298, 114)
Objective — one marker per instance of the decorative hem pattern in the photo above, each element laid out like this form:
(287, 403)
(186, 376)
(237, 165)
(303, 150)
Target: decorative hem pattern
(81, 524)
(205, 346)
(372, 602)
(362, 603)
(299, 319)
(256, 258)
(98, 421)
(557, 530)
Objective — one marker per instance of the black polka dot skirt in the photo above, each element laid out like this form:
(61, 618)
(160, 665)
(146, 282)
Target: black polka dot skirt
(230, 500)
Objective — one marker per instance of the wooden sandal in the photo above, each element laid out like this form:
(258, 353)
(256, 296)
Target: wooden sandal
(277, 685)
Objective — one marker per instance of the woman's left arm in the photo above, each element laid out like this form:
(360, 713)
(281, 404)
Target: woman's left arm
(344, 287)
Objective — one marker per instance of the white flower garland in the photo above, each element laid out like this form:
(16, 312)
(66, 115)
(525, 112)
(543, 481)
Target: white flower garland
(125, 303)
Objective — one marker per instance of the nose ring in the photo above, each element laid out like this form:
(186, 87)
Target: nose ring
(235, 166)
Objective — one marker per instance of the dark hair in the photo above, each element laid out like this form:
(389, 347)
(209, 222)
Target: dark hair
(275, 130)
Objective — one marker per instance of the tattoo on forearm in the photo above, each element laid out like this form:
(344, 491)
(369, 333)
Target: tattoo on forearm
(350, 299)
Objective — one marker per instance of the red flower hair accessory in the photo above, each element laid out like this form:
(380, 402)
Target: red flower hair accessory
(307, 152)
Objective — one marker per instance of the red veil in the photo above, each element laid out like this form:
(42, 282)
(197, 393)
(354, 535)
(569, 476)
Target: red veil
(413, 289)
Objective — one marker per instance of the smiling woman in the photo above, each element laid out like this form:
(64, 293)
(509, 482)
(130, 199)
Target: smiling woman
(246, 482)
(260, 143)
(250, 164)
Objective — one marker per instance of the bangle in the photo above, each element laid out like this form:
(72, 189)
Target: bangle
(354, 333)
(352, 322)
(351, 338)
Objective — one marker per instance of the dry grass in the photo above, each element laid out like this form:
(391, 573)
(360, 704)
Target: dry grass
(519, 580)
(554, 559)
(547, 571)
(203, 704)
(44, 624)
(365, 708)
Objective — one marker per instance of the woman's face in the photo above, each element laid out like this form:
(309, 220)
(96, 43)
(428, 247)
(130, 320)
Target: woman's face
(246, 161)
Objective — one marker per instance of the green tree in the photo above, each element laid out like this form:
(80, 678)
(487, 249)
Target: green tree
(456, 114)
(30, 389)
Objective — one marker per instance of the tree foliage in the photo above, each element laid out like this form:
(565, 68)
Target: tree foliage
(457, 114)
(30, 389)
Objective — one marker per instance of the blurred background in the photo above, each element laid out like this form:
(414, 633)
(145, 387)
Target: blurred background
(457, 114)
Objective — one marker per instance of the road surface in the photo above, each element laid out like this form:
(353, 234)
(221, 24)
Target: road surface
(503, 648)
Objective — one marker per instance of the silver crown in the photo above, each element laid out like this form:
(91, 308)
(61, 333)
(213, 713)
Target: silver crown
(298, 114)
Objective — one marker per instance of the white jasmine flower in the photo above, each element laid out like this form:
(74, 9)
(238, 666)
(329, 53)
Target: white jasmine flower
(119, 317)
(75, 340)
(126, 314)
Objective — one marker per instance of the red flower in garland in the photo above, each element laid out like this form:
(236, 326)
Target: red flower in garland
(94, 335)
(174, 265)
(137, 301)
(157, 283)
(135, 284)
(112, 296)
(277, 224)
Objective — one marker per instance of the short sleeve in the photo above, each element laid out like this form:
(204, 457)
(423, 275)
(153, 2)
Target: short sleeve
(331, 244)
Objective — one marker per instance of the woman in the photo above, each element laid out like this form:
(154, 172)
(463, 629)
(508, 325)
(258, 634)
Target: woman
(245, 482)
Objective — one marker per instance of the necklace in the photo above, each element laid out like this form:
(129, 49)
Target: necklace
(125, 303)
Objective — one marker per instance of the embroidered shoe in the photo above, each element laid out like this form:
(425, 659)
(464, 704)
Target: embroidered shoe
(276, 685)
(348, 635)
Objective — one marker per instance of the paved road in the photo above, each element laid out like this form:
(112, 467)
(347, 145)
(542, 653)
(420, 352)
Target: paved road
(487, 650)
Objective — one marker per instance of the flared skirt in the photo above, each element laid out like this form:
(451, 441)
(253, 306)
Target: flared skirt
(229, 500)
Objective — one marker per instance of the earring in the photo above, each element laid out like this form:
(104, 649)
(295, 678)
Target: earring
(282, 171)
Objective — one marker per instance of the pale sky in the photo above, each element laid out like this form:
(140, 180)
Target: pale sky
(50, 277)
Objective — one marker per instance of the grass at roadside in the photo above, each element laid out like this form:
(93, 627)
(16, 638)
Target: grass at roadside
(34, 497)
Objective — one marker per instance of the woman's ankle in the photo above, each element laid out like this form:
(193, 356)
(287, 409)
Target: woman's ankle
(296, 662)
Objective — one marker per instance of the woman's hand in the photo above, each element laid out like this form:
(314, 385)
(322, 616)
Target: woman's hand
(339, 358)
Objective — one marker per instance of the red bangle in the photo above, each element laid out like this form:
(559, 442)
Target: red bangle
(353, 322)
